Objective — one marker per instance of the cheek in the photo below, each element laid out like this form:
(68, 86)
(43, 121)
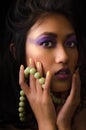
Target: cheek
(32, 52)
(74, 59)
(38, 55)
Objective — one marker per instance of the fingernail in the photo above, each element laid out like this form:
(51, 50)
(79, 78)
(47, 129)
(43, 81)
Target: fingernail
(74, 76)
(77, 70)
(21, 67)
(38, 64)
(48, 73)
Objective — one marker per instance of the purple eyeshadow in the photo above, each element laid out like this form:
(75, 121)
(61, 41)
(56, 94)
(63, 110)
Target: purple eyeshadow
(42, 39)
(71, 38)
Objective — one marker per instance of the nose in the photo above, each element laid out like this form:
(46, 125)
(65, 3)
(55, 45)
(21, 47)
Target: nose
(61, 55)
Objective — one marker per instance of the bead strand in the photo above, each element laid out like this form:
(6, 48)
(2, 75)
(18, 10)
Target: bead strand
(57, 100)
(37, 75)
(21, 108)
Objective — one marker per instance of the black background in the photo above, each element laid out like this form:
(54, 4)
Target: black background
(79, 7)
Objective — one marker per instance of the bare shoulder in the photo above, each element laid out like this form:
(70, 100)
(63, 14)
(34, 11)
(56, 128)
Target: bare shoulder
(80, 120)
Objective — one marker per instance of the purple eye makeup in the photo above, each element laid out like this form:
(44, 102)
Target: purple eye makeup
(71, 41)
(47, 41)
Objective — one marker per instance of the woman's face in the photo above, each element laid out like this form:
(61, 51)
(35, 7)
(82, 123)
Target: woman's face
(52, 42)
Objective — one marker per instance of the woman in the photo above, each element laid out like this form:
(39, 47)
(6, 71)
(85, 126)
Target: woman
(44, 37)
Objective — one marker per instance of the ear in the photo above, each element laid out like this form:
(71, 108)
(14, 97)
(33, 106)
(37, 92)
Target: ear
(13, 50)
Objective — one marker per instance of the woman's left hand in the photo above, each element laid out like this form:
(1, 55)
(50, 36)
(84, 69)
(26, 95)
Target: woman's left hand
(39, 99)
(66, 112)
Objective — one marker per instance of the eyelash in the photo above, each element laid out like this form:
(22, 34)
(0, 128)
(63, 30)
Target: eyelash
(48, 44)
(71, 44)
(51, 44)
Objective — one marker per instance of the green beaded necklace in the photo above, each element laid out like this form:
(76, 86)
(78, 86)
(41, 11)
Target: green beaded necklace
(37, 75)
(21, 108)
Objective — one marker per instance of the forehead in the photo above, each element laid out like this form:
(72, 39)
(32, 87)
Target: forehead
(51, 23)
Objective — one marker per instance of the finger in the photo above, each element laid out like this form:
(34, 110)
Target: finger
(74, 85)
(78, 82)
(39, 68)
(78, 87)
(74, 97)
(32, 81)
(39, 88)
(75, 90)
(22, 81)
(47, 82)
(38, 85)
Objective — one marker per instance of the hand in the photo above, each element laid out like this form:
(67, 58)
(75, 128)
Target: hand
(39, 99)
(66, 113)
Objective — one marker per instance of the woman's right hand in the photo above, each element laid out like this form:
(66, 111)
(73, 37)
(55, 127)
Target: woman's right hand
(67, 111)
(39, 98)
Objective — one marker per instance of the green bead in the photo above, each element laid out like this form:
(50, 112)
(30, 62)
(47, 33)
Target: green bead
(32, 71)
(21, 109)
(63, 101)
(37, 75)
(42, 80)
(21, 115)
(22, 119)
(51, 94)
(59, 100)
(43, 85)
(22, 93)
(54, 99)
(22, 98)
(21, 104)
(27, 71)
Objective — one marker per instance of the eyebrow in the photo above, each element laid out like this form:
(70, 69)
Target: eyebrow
(70, 35)
(53, 35)
(48, 34)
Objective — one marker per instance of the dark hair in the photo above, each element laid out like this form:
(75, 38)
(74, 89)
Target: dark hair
(22, 15)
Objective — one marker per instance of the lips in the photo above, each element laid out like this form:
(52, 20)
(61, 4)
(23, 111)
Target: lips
(63, 73)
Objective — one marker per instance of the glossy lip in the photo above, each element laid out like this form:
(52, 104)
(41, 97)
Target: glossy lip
(63, 74)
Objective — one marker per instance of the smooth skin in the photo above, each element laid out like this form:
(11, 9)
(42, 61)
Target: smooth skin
(54, 58)
(47, 61)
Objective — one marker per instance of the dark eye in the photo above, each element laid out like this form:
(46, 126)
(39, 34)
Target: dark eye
(71, 44)
(47, 44)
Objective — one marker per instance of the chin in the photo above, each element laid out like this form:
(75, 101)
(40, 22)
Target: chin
(61, 87)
